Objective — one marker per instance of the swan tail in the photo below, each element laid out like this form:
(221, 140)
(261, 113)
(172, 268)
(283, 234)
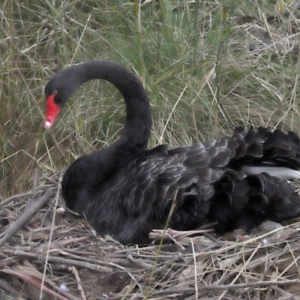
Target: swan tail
(262, 150)
(246, 203)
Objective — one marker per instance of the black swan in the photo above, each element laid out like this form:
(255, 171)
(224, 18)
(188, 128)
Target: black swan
(126, 190)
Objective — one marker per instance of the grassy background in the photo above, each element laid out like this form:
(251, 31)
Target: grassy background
(206, 65)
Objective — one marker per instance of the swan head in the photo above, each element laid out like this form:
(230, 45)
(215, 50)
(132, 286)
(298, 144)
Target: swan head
(57, 92)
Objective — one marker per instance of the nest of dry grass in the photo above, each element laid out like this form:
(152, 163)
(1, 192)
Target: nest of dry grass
(49, 253)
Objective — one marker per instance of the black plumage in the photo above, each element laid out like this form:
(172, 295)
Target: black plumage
(126, 190)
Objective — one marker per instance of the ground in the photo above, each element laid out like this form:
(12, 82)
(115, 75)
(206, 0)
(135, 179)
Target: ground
(82, 265)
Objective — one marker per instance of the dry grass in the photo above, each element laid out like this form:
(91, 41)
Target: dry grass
(206, 67)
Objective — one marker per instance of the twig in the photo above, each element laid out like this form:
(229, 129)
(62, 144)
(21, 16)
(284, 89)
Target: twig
(7, 288)
(50, 239)
(36, 282)
(58, 244)
(15, 197)
(79, 284)
(29, 211)
(35, 181)
(195, 270)
(180, 234)
(7, 262)
(54, 259)
(164, 235)
(83, 259)
(225, 287)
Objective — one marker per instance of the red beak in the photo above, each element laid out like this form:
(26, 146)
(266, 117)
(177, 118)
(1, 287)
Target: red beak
(52, 110)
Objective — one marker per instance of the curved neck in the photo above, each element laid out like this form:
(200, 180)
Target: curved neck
(136, 132)
(138, 120)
